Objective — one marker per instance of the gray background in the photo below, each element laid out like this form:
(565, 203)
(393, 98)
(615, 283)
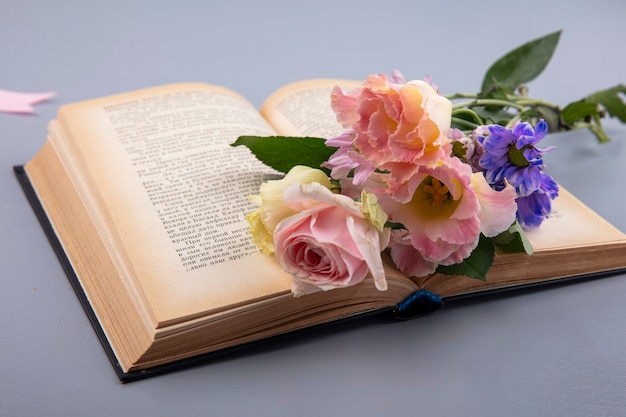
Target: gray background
(557, 352)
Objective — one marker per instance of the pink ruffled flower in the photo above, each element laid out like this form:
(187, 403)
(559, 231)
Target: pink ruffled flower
(406, 257)
(497, 208)
(444, 208)
(328, 243)
(391, 124)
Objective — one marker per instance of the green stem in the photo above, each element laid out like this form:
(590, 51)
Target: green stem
(489, 102)
(511, 122)
(469, 112)
(511, 100)
(465, 123)
(534, 102)
(456, 96)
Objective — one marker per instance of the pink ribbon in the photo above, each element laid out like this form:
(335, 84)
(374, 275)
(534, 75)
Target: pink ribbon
(22, 103)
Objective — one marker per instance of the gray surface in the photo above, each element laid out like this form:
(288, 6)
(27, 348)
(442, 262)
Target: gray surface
(558, 352)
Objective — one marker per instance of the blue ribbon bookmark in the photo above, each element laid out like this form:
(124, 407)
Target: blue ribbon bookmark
(419, 303)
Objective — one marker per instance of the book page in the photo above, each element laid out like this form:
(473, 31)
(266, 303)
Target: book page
(572, 224)
(303, 108)
(573, 241)
(171, 194)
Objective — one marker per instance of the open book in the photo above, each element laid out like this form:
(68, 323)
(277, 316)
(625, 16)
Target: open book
(144, 200)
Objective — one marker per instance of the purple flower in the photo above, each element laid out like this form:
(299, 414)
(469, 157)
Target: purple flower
(534, 208)
(511, 155)
(347, 159)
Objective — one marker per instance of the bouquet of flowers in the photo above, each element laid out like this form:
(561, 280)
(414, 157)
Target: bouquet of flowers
(434, 183)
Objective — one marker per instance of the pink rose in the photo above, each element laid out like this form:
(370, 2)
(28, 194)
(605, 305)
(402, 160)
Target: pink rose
(329, 243)
(272, 210)
(391, 124)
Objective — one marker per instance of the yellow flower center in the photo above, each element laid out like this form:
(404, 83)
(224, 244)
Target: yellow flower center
(432, 200)
(439, 192)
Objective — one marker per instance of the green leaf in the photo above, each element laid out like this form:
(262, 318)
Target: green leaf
(394, 225)
(611, 100)
(549, 114)
(283, 153)
(477, 264)
(513, 240)
(578, 111)
(522, 64)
